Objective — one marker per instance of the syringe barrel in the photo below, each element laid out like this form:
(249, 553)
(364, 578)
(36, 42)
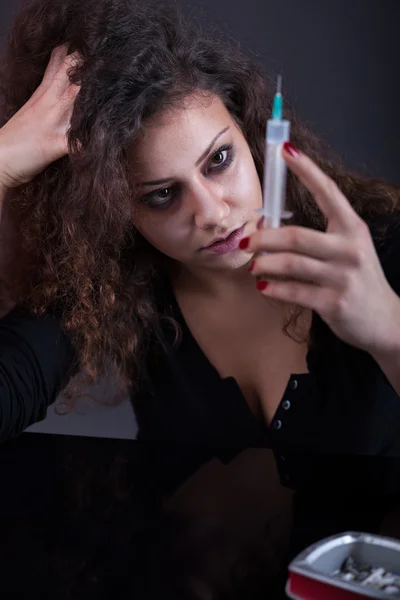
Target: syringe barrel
(278, 131)
(274, 193)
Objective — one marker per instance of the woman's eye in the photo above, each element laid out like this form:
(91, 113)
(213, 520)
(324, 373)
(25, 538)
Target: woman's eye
(163, 194)
(164, 197)
(222, 158)
(159, 198)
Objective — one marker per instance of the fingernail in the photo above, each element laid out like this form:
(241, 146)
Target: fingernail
(251, 267)
(290, 149)
(262, 285)
(244, 243)
(260, 223)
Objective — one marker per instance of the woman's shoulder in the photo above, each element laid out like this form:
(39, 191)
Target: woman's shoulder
(40, 334)
(21, 320)
(36, 361)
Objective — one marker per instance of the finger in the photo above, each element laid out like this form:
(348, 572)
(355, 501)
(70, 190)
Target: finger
(330, 200)
(61, 81)
(59, 146)
(53, 66)
(299, 293)
(52, 76)
(57, 58)
(68, 101)
(295, 266)
(301, 240)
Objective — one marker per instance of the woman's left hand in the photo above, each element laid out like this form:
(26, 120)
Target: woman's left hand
(336, 273)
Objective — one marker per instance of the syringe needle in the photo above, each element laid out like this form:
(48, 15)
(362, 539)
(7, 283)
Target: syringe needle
(279, 85)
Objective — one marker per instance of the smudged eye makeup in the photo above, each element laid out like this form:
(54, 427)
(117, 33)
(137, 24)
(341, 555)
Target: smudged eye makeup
(164, 197)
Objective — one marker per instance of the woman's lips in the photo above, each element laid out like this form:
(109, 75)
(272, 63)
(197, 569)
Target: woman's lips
(228, 244)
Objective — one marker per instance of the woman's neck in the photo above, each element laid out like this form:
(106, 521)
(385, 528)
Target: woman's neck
(235, 292)
(213, 283)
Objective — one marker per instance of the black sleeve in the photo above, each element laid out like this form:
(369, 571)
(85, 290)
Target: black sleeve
(36, 360)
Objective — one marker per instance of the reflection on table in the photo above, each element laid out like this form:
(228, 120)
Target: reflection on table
(83, 518)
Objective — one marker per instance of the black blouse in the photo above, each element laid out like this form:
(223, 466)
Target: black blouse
(344, 405)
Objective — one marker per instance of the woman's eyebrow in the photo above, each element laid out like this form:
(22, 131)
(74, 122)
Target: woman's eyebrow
(198, 161)
(210, 146)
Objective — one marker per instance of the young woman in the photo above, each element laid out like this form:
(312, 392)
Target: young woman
(131, 154)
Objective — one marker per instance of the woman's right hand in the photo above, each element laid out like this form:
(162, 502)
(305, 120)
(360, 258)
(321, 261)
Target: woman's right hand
(37, 134)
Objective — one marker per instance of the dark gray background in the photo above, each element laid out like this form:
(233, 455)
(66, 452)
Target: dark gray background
(339, 60)
(340, 63)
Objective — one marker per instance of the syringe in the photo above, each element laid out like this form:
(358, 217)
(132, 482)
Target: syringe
(274, 188)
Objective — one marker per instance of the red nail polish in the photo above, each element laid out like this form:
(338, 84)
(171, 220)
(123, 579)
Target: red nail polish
(262, 285)
(290, 149)
(244, 243)
(251, 267)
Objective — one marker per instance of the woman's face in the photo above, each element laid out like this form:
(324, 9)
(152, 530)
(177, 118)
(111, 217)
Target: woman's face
(195, 183)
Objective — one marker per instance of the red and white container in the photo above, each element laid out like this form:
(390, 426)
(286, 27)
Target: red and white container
(311, 573)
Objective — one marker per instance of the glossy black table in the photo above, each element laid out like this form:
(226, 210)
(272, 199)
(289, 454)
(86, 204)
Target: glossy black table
(81, 518)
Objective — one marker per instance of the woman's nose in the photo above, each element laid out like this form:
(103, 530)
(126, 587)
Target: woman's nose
(209, 206)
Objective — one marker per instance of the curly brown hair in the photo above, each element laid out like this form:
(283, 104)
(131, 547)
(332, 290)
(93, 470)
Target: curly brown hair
(77, 247)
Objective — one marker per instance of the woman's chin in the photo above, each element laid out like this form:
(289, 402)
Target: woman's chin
(231, 261)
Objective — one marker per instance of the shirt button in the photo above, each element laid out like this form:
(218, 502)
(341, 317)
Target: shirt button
(293, 384)
(277, 424)
(286, 404)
